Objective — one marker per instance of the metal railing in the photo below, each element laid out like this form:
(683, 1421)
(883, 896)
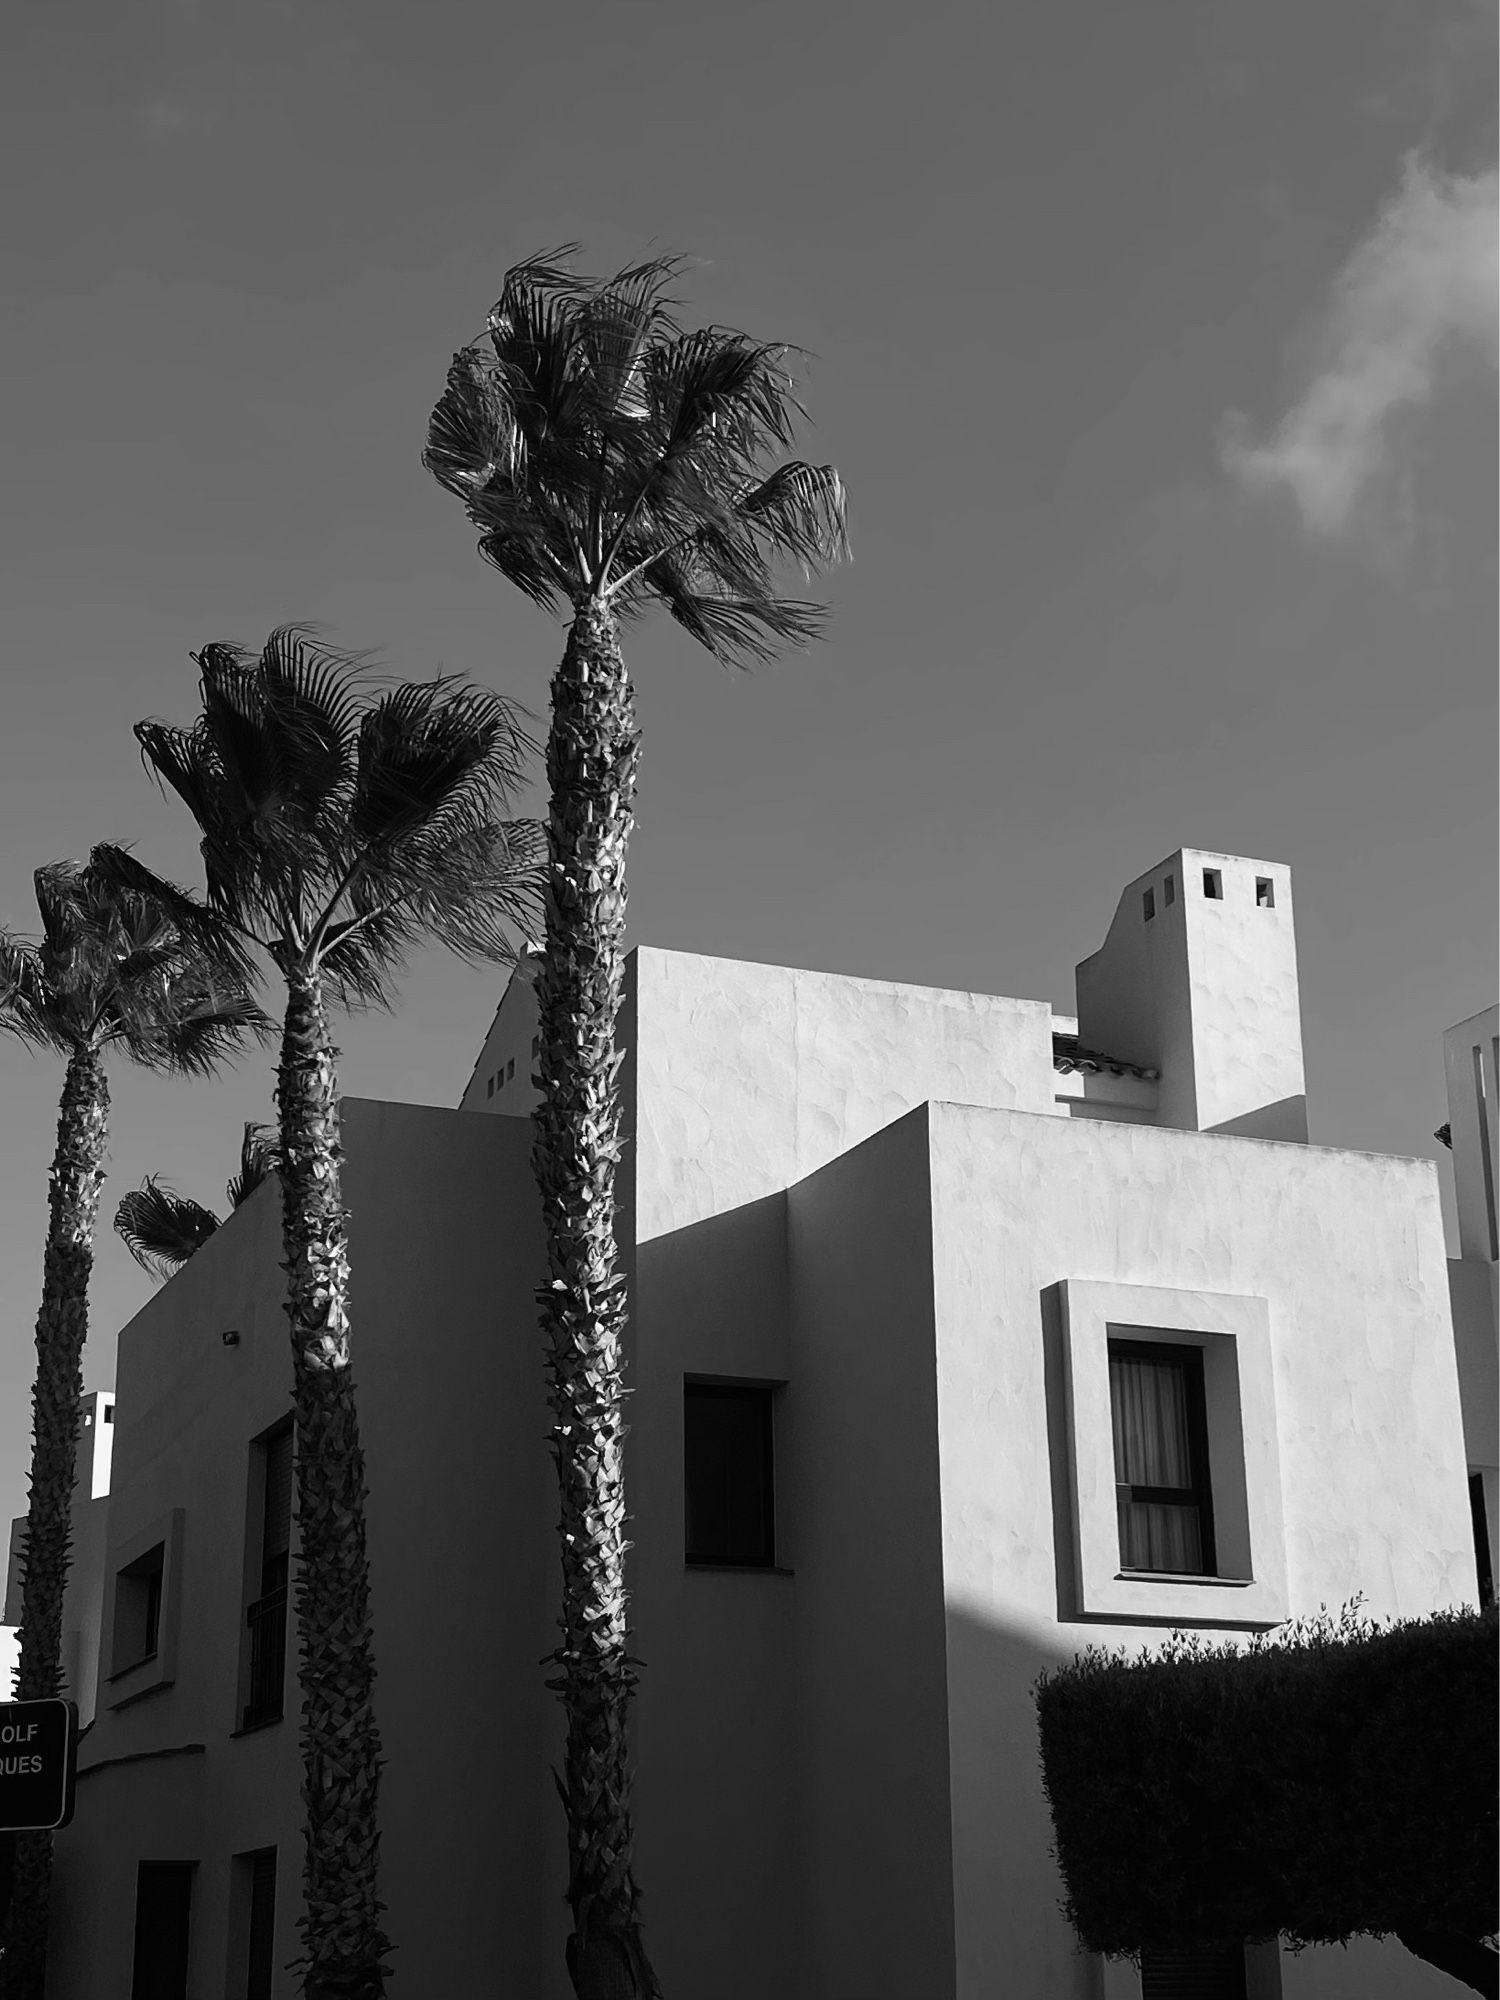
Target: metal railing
(266, 1618)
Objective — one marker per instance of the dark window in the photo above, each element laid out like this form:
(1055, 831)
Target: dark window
(1170, 886)
(163, 1918)
(727, 1462)
(1194, 1975)
(1161, 1458)
(138, 1609)
(260, 1928)
(109, 1413)
(536, 1045)
(489, 1088)
(266, 1614)
(1148, 904)
(1265, 892)
(1483, 1560)
(510, 1069)
(1213, 885)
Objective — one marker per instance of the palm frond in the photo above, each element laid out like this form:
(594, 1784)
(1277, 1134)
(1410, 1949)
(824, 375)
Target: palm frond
(161, 1228)
(260, 1157)
(601, 451)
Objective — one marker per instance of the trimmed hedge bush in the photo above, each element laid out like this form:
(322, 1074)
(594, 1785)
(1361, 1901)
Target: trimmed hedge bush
(1335, 1779)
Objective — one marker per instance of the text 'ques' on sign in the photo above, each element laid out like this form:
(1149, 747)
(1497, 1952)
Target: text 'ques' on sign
(38, 1764)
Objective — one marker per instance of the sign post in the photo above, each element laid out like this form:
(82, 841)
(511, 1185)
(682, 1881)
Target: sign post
(38, 1765)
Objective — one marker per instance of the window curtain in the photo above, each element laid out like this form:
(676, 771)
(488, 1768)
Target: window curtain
(1153, 1447)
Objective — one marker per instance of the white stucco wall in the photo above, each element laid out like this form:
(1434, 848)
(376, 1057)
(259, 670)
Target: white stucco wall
(748, 1077)
(445, 1253)
(1206, 991)
(1347, 1251)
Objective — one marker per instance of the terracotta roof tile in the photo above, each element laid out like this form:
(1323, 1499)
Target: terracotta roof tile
(1067, 1056)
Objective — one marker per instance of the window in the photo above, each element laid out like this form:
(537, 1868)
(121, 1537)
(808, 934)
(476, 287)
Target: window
(265, 1615)
(1213, 885)
(1148, 904)
(510, 1069)
(1173, 1456)
(536, 1045)
(489, 1088)
(1483, 1560)
(728, 1474)
(252, 1944)
(138, 1587)
(109, 1413)
(1170, 887)
(1265, 892)
(1194, 1975)
(1162, 1496)
(140, 1610)
(163, 1925)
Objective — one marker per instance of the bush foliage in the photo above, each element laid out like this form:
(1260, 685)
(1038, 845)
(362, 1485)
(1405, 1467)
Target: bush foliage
(1336, 1779)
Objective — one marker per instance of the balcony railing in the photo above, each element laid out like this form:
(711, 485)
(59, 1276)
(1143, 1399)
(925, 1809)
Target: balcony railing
(266, 1618)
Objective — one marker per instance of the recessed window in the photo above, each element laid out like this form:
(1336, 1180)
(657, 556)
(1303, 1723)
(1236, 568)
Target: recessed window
(1213, 885)
(489, 1088)
(266, 1612)
(1265, 892)
(728, 1467)
(510, 1069)
(1194, 1975)
(138, 1589)
(1148, 904)
(1161, 1458)
(536, 1045)
(109, 1413)
(1483, 1561)
(1170, 889)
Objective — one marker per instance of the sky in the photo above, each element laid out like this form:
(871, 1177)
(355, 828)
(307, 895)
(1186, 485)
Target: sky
(1156, 346)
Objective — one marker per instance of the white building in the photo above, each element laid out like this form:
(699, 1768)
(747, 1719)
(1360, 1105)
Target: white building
(903, 1263)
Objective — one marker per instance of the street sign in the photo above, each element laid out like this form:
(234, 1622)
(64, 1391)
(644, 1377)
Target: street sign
(38, 1763)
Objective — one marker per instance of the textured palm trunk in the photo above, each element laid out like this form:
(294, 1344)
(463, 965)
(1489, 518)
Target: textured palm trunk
(343, 1944)
(61, 1328)
(591, 761)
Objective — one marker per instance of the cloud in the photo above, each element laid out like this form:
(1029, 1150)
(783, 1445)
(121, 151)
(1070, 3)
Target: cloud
(1422, 285)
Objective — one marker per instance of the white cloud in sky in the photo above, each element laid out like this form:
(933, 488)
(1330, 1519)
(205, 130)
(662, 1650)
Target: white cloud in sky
(1422, 284)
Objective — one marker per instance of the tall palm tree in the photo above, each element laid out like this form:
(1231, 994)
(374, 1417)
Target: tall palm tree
(112, 972)
(340, 828)
(612, 462)
(162, 1228)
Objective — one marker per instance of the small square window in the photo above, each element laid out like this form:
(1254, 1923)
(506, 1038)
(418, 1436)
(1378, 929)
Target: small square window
(1170, 886)
(1265, 892)
(1148, 904)
(728, 1474)
(1213, 885)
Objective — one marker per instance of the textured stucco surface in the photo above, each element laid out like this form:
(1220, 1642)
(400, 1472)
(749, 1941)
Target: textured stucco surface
(1347, 1251)
(749, 1077)
(445, 1253)
(1205, 991)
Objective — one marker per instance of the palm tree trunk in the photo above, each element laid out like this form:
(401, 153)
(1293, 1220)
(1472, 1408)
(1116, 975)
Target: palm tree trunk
(61, 1328)
(343, 1943)
(591, 761)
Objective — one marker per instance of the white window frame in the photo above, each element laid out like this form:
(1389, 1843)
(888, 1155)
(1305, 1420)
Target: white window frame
(1233, 1332)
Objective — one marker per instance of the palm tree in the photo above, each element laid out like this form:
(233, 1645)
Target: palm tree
(112, 971)
(162, 1228)
(611, 462)
(340, 827)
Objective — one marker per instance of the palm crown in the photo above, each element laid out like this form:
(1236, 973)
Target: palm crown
(604, 453)
(115, 966)
(341, 824)
(162, 1228)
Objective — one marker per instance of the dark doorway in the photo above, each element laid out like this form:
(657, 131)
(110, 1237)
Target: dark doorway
(163, 1918)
